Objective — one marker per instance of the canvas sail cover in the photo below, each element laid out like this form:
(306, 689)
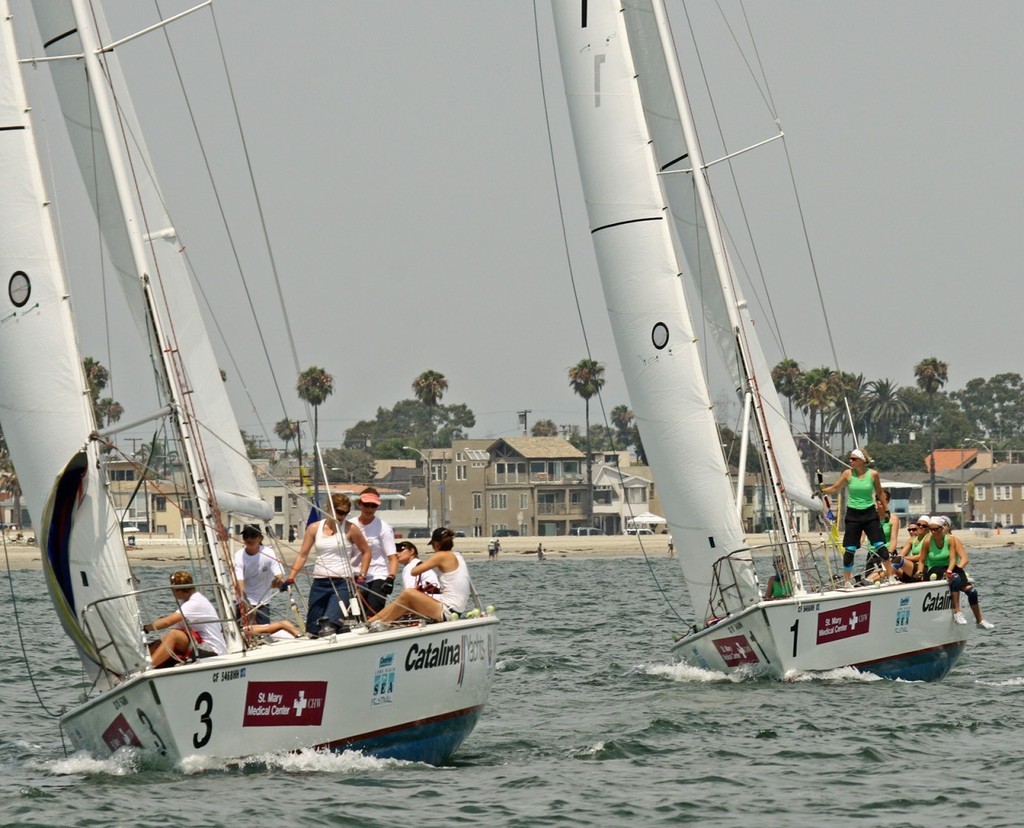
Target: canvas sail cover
(195, 366)
(45, 408)
(640, 274)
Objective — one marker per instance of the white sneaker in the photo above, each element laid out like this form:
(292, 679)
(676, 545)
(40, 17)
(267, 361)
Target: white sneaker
(959, 618)
(986, 625)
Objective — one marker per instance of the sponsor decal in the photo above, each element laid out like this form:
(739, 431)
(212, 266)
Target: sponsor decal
(384, 681)
(844, 623)
(279, 703)
(933, 601)
(903, 615)
(426, 658)
(736, 650)
(120, 734)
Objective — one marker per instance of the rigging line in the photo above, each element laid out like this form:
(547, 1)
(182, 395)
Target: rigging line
(21, 637)
(796, 193)
(735, 183)
(558, 191)
(227, 229)
(258, 200)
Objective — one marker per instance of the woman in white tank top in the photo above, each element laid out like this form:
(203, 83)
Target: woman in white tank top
(332, 568)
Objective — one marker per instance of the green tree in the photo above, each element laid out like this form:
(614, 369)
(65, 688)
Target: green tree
(286, 431)
(314, 386)
(931, 374)
(347, 465)
(622, 419)
(994, 406)
(544, 428)
(586, 378)
(886, 411)
(787, 378)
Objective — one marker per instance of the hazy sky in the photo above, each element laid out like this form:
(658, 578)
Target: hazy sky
(402, 157)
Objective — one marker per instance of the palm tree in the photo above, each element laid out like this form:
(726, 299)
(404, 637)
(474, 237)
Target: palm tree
(817, 395)
(586, 378)
(931, 375)
(429, 387)
(885, 408)
(314, 386)
(786, 376)
(622, 419)
(286, 431)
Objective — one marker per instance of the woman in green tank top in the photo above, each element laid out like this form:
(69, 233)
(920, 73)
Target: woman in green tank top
(864, 510)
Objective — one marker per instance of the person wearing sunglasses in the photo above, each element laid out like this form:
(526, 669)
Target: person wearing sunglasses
(864, 512)
(335, 542)
(946, 557)
(380, 580)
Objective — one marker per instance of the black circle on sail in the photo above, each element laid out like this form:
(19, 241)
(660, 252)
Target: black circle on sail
(19, 288)
(659, 335)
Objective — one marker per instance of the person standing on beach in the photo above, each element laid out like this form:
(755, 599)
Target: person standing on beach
(864, 511)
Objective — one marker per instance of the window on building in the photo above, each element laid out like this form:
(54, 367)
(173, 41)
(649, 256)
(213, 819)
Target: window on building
(1002, 492)
(499, 500)
(524, 500)
(946, 496)
(122, 474)
(979, 492)
(460, 472)
(159, 503)
(279, 504)
(478, 501)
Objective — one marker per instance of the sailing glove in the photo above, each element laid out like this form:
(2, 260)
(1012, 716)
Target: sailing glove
(286, 585)
(388, 586)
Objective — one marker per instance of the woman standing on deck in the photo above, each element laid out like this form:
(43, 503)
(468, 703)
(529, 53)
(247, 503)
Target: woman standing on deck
(864, 512)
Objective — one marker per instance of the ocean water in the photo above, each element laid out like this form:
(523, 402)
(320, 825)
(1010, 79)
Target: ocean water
(589, 723)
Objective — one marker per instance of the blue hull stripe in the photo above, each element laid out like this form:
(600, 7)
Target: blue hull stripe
(427, 740)
(923, 665)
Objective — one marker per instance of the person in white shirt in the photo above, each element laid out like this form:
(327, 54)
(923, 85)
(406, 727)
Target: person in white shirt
(193, 630)
(456, 587)
(258, 575)
(380, 580)
(425, 582)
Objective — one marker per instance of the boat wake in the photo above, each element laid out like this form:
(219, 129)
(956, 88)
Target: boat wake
(839, 674)
(688, 673)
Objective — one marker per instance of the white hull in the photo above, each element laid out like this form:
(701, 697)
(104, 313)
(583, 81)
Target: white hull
(904, 631)
(411, 693)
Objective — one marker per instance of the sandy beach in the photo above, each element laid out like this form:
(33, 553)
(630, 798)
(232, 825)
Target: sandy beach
(160, 553)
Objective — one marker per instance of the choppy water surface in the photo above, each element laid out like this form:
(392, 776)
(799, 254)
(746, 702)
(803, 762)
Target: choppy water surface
(589, 724)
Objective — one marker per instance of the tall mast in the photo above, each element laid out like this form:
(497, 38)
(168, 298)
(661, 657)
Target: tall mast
(138, 236)
(724, 270)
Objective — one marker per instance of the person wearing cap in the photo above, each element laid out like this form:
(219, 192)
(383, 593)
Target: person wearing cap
(336, 542)
(408, 557)
(946, 557)
(258, 575)
(453, 575)
(380, 579)
(864, 512)
(193, 629)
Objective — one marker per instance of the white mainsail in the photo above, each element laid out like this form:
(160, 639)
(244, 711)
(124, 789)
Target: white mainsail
(641, 266)
(45, 408)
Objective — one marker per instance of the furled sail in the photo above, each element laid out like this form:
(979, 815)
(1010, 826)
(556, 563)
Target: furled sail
(45, 407)
(151, 253)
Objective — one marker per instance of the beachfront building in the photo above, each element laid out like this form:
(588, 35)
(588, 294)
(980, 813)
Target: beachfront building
(529, 485)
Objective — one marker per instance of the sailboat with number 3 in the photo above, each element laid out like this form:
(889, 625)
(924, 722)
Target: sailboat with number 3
(412, 692)
(664, 266)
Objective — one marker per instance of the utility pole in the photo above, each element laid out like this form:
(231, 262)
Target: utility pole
(522, 421)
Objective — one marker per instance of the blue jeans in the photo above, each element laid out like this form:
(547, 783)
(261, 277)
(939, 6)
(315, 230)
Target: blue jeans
(324, 598)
